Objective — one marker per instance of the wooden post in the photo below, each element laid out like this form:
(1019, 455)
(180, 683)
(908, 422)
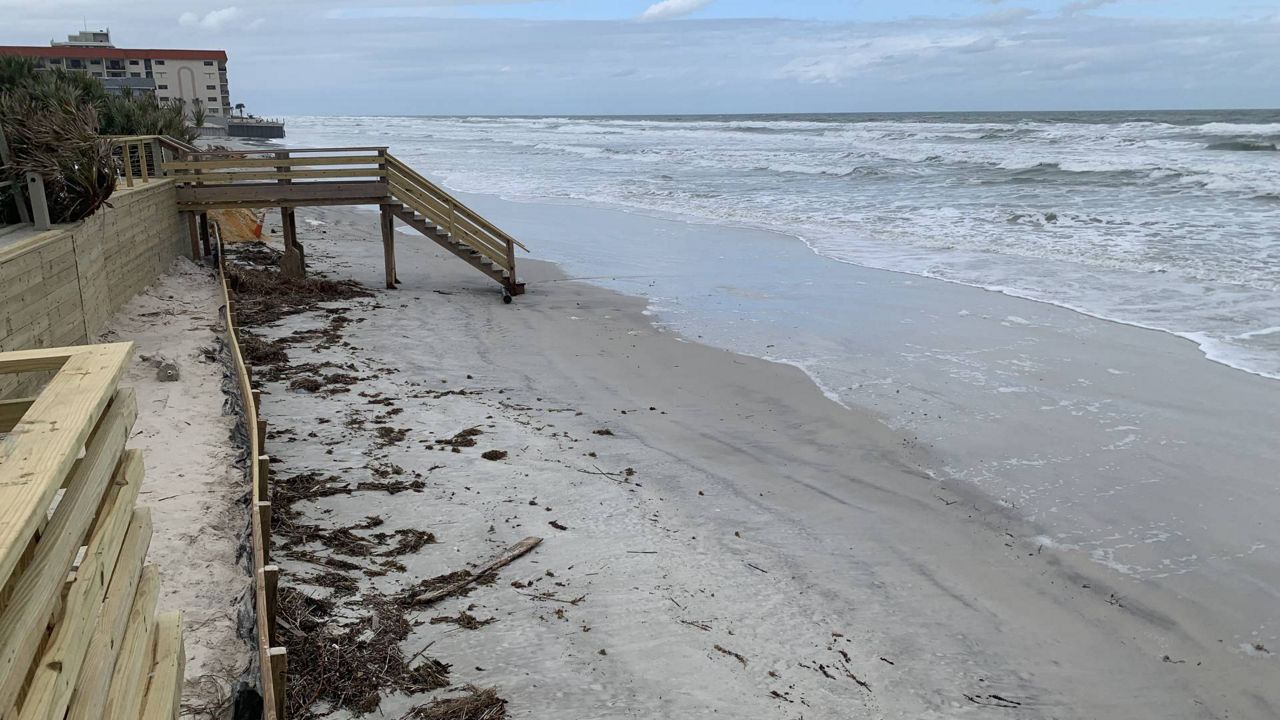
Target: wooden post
(279, 658)
(193, 231)
(256, 395)
(264, 518)
(293, 264)
(204, 233)
(264, 472)
(262, 433)
(23, 214)
(128, 165)
(269, 576)
(39, 203)
(157, 157)
(389, 246)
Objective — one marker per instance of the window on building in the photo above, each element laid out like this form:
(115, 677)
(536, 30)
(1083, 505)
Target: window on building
(159, 62)
(162, 87)
(55, 61)
(213, 100)
(133, 62)
(164, 98)
(76, 64)
(210, 87)
(137, 74)
(213, 111)
(209, 63)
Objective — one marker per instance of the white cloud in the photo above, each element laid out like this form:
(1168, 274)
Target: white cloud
(1081, 6)
(213, 20)
(668, 9)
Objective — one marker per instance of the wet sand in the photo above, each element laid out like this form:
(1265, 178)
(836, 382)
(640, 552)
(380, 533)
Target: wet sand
(761, 519)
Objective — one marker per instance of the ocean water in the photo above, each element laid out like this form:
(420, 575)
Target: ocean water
(1164, 220)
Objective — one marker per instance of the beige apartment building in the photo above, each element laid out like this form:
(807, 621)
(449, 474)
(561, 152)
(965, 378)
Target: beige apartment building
(185, 75)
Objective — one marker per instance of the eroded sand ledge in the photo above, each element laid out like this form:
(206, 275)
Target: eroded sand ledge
(770, 554)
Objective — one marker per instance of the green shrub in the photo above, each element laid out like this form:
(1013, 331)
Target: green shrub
(52, 121)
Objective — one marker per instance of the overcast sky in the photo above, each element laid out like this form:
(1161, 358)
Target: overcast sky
(702, 56)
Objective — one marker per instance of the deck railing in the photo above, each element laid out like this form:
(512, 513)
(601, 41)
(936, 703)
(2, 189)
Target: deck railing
(142, 157)
(451, 215)
(252, 178)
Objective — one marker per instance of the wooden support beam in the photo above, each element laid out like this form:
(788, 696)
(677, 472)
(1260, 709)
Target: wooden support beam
(279, 658)
(39, 203)
(204, 233)
(389, 246)
(193, 232)
(264, 472)
(263, 508)
(269, 576)
(292, 263)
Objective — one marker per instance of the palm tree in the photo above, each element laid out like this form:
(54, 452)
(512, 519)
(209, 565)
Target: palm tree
(197, 113)
(240, 109)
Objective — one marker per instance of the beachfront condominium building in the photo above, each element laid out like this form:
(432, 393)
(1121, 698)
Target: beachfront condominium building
(190, 76)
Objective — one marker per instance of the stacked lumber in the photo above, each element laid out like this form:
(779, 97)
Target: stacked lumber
(79, 633)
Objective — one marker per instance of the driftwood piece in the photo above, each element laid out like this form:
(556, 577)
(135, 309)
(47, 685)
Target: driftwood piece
(511, 553)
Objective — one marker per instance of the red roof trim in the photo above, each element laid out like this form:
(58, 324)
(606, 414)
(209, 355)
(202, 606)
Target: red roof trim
(90, 53)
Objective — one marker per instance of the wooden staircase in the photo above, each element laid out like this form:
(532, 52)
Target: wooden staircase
(471, 256)
(289, 179)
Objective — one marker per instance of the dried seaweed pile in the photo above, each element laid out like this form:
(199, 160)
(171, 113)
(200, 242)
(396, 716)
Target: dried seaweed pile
(476, 704)
(348, 666)
(264, 295)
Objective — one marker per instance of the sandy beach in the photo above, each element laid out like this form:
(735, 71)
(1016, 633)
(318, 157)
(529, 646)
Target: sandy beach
(720, 537)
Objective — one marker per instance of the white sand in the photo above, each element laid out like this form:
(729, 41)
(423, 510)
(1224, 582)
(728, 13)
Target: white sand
(191, 486)
(762, 518)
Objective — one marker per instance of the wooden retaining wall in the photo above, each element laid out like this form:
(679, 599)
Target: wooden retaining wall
(272, 656)
(60, 287)
(79, 635)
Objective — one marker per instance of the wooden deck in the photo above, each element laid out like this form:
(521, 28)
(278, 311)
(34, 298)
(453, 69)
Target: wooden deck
(309, 177)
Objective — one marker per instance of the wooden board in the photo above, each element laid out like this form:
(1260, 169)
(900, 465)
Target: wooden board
(128, 683)
(268, 162)
(36, 456)
(108, 637)
(123, 532)
(234, 177)
(164, 692)
(36, 590)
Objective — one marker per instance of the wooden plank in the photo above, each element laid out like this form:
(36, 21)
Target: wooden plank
(36, 455)
(128, 577)
(11, 411)
(36, 590)
(234, 177)
(206, 165)
(276, 194)
(289, 150)
(164, 692)
(278, 658)
(128, 682)
(58, 671)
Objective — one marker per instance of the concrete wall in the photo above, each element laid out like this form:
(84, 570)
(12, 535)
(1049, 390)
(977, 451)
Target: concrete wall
(61, 287)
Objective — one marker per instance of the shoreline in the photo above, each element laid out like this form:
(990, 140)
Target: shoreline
(1204, 345)
(925, 570)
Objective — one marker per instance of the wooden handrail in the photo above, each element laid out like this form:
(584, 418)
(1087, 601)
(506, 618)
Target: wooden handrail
(409, 173)
(287, 150)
